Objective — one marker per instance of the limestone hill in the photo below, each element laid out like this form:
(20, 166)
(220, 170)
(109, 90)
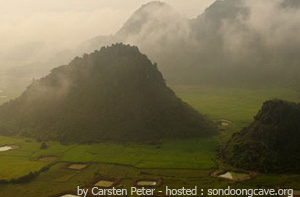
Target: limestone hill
(115, 94)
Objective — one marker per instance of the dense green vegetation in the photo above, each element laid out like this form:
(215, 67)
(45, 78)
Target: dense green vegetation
(115, 94)
(270, 143)
(80, 112)
(188, 154)
(239, 106)
(58, 179)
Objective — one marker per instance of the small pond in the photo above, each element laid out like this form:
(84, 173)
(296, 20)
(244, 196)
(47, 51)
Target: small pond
(77, 166)
(146, 183)
(7, 148)
(234, 176)
(104, 183)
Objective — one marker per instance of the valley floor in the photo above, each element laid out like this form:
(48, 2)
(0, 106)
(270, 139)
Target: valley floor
(187, 163)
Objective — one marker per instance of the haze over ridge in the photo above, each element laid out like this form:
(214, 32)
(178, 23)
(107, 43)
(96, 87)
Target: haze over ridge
(230, 40)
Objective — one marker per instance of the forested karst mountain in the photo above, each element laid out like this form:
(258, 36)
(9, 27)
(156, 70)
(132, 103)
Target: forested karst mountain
(115, 94)
(270, 143)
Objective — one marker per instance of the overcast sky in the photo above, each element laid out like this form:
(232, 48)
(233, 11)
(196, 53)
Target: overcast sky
(63, 22)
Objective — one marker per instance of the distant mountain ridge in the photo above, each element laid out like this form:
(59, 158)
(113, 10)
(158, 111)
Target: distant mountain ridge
(115, 94)
(234, 42)
(222, 45)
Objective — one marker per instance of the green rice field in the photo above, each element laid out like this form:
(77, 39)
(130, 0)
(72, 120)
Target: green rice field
(178, 163)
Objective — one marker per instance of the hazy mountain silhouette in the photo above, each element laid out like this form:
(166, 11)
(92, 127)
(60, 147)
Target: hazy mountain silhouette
(225, 44)
(234, 42)
(159, 31)
(115, 94)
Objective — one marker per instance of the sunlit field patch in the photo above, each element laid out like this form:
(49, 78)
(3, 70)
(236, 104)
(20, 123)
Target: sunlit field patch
(104, 183)
(148, 182)
(77, 166)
